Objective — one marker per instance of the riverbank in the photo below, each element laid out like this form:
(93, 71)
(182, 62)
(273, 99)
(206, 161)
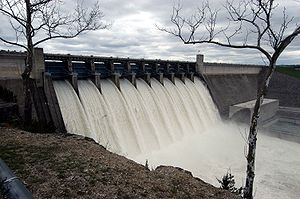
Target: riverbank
(60, 166)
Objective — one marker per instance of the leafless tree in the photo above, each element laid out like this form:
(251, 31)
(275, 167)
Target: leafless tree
(36, 21)
(252, 20)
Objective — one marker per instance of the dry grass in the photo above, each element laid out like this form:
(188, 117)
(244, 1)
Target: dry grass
(58, 166)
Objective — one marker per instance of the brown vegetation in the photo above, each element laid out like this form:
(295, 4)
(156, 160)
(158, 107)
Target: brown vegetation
(60, 166)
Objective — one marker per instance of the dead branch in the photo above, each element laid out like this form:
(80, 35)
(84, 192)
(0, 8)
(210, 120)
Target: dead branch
(249, 18)
(49, 21)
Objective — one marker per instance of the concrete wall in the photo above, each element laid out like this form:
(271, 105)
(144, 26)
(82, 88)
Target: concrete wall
(230, 89)
(223, 68)
(286, 89)
(16, 87)
(11, 65)
(230, 84)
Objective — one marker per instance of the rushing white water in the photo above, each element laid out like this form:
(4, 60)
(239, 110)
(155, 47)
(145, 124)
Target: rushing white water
(213, 153)
(120, 115)
(176, 125)
(156, 113)
(144, 126)
(135, 120)
(71, 108)
(97, 115)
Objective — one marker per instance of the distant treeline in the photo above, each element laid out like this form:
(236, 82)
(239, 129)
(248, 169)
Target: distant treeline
(289, 66)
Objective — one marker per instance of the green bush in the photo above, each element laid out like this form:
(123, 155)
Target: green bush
(228, 183)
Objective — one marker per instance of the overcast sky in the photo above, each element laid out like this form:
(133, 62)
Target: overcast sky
(133, 34)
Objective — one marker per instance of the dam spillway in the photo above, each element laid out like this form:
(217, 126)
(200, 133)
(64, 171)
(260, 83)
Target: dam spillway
(175, 124)
(138, 119)
(153, 119)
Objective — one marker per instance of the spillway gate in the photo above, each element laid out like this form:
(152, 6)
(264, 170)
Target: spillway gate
(53, 67)
(96, 68)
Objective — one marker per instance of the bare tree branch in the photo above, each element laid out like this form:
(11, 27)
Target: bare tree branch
(12, 15)
(48, 19)
(83, 20)
(45, 18)
(250, 19)
(13, 43)
(259, 17)
(40, 3)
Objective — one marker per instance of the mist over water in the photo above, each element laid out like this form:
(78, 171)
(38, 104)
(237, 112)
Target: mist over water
(209, 156)
(177, 125)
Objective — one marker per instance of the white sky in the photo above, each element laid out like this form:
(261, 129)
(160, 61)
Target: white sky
(133, 34)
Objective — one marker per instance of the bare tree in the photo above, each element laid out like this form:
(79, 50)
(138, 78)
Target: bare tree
(36, 21)
(252, 20)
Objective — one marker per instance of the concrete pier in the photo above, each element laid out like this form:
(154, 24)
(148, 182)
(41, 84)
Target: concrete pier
(143, 67)
(38, 68)
(91, 65)
(132, 78)
(74, 81)
(147, 78)
(111, 66)
(242, 112)
(200, 63)
(160, 78)
(116, 80)
(191, 76)
(171, 77)
(181, 76)
(96, 81)
(128, 66)
(69, 65)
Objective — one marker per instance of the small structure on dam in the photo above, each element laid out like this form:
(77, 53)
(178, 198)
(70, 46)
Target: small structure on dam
(242, 112)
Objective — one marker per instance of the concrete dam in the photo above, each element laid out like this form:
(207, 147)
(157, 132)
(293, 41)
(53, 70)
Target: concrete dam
(132, 105)
(129, 106)
(228, 83)
(159, 111)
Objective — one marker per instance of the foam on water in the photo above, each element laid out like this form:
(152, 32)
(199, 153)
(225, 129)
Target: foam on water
(222, 147)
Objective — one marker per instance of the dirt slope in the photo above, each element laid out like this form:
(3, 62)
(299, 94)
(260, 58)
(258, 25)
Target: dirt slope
(57, 166)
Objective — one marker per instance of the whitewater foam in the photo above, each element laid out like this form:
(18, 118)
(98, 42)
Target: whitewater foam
(177, 125)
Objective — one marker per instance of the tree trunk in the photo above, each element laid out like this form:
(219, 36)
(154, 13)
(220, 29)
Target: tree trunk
(248, 190)
(28, 66)
(27, 90)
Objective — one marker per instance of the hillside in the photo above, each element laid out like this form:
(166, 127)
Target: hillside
(60, 166)
(285, 88)
(289, 71)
